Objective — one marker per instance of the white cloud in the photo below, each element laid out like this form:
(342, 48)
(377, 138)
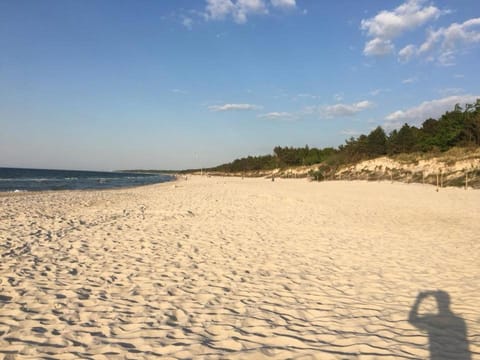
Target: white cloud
(388, 25)
(246, 7)
(406, 53)
(233, 107)
(218, 9)
(310, 110)
(409, 80)
(179, 91)
(350, 132)
(277, 116)
(239, 10)
(391, 24)
(378, 47)
(427, 109)
(283, 3)
(306, 95)
(444, 43)
(187, 22)
(338, 97)
(378, 92)
(342, 110)
(450, 91)
(325, 111)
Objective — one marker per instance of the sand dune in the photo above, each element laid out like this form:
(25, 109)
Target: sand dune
(228, 268)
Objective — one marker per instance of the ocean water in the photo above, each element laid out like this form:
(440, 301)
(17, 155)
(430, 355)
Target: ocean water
(13, 179)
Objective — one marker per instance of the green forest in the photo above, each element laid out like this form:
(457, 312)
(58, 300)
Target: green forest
(459, 127)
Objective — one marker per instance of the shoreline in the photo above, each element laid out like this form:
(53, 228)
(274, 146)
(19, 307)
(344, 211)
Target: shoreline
(177, 178)
(23, 192)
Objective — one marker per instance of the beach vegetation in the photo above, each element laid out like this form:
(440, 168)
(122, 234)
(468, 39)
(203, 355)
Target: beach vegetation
(458, 128)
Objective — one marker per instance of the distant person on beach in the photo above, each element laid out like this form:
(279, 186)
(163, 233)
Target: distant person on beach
(447, 332)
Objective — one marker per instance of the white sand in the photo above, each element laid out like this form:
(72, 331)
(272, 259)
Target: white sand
(231, 268)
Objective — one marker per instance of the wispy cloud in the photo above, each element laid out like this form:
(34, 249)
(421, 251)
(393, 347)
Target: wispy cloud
(285, 4)
(187, 22)
(406, 53)
(378, 47)
(234, 107)
(277, 116)
(387, 25)
(427, 109)
(241, 10)
(338, 97)
(376, 92)
(350, 132)
(451, 91)
(179, 91)
(410, 80)
(338, 110)
(305, 96)
(344, 110)
(444, 44)
(449, 38)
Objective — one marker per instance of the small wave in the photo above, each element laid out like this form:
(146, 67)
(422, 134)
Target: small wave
(30, 179)
(97, 178)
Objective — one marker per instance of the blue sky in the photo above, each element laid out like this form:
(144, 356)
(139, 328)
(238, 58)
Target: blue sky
(179, 84)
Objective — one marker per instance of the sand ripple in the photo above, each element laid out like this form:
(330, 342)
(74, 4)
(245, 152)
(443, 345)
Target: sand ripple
(229, 268)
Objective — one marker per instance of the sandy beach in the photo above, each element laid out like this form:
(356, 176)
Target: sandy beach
(241, 269)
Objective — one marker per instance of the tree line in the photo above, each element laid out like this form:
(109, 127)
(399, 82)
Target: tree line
(457, 128)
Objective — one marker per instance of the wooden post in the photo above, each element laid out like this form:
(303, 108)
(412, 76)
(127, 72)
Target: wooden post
(423, 178)
(466, 180)
(441, 178)
(437, 181)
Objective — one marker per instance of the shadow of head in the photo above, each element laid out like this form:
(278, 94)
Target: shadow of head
(443, 301)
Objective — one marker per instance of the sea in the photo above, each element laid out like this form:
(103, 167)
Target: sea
(20, 180)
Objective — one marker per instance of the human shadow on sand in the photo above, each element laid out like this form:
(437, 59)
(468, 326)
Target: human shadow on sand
(447, 332)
